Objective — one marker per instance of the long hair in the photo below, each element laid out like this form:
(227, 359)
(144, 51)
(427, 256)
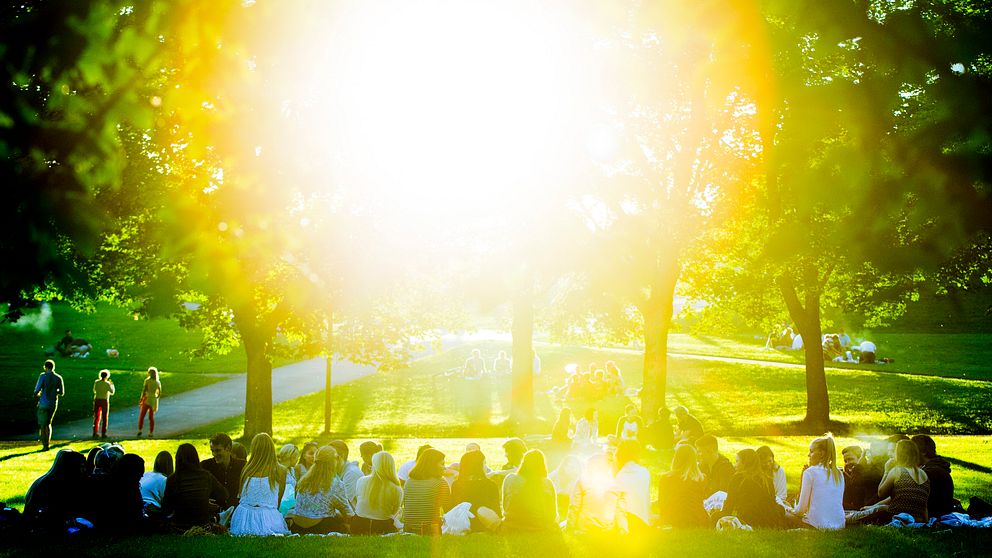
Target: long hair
(472, 466)
(261, 461)
(187, 457)
(829, 449)
(163, 464)
(288, 456)
(750, 468)
(907, 454)
(765, 453)
(320, 477)
(533, 467)
(153, 373)
(685, 464)
(381, 489)
(428, 465)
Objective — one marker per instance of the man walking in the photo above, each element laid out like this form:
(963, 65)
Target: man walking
(48, 390)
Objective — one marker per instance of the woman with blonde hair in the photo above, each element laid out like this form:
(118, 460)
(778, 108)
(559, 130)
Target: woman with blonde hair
(151, 390)
(529, 499)
(821, 495)
(906, 483)
(379, 497)
(682, 490)
(321, 503)
(288, 456)
(263, 481)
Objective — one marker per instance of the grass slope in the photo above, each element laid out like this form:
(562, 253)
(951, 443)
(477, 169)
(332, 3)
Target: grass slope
(161, 343)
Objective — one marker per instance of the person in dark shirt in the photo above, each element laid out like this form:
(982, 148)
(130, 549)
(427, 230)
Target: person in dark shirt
(190, 490)
(681, 491)
(473, 487)
(751, 496)
(60, 494)
(660, 432)
(225, 468)
(717, 468)
(938, 470)
(873, 471)
(689, 427)
(854, 478)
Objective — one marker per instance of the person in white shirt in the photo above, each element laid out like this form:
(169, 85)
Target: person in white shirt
(348, 471)
(596, 505)
(152, 483)
(633, 481)
(821, 496)
(867, 352)
(586, 432)
(379, 498)
(404, 472)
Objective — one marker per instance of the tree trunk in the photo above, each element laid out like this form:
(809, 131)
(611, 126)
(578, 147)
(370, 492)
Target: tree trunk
(258, 390)
(807, 318)
(328, 365)
(657, 315)
(522, 333)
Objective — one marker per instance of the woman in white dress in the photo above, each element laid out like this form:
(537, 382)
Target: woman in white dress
(263, 482)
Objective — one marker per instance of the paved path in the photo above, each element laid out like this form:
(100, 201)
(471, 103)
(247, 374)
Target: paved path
(192, 409)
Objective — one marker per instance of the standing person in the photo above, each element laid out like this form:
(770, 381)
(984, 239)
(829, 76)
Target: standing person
(321, 503)
(47, 390)
(426, 495)
(681, 491)
(529, 499)
(821, 496)
(103, 388)
(151, 390)
(380, 498)
(475, 366)
(225, 467)
(502, 364)
(263, 481)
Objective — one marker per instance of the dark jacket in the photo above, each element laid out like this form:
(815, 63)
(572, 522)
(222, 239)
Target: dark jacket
(754, 503)
(718, 476)
(229, 478)
(680, 502)
(941, 501)
(187, 497)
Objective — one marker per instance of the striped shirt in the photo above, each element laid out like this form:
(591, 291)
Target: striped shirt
(423, 501)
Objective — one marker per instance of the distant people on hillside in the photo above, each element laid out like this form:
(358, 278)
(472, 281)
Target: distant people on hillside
(780, 337)
(867, 355)
(103, 388)
(614, 378)
(47, 390)
(475, 366)
(69, 346)
(502, 365)
(151, 390)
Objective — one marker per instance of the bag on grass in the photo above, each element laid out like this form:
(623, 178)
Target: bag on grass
(458, 520)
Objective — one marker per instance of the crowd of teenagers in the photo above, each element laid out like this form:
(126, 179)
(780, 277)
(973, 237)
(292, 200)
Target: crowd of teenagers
(595, 488)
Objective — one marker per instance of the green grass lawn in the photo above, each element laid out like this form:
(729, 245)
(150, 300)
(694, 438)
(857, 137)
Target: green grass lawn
(161, 343)
(851, 543)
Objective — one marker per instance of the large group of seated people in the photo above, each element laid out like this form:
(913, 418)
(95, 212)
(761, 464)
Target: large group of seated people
(591, 385)
(595, 488)
(837, 347)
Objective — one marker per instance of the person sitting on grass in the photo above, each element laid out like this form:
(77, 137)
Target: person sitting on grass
(122, 506)
(767, 459)
(380, 498)
(614, 378)
(597, 505)
(288, 456)
(59, 495)
(681, 491)
(586, 432)
(716, 467)
(938, 470)
(634, 484)
(321, 503)
(474, 487)
(564, 478)
(529, 499)
(630, 424)
(821, 496)
(225, 467)
(660, 432)
(349, 471)
(404, 471)
(152, 483)
(367, 449)
(191, 494)
(689, 427)
(751, 497)
(907, 486)
(561, 433)
(263, 481)
(514, 449)
(239, 450)
(426, 495)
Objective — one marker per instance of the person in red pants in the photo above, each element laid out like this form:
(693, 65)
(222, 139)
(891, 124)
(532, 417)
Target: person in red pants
(103, 388)
(150, 392)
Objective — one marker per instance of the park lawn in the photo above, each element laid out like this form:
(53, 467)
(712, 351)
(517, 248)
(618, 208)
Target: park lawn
(951, 355)
(730, 398)
(159, 342)
(970, 457)
(851, 543)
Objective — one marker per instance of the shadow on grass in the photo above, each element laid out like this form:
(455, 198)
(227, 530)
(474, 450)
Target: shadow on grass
(969, 465)
(798, 428)
(39, 450)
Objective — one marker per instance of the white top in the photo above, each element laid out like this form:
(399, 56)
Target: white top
(365, 509)
(821, 499)
(867, 347)
(349, 477)
(586, 434)
(404, 472)
(781, 490)
(152, 487)
(797, 342)
(634, 484)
